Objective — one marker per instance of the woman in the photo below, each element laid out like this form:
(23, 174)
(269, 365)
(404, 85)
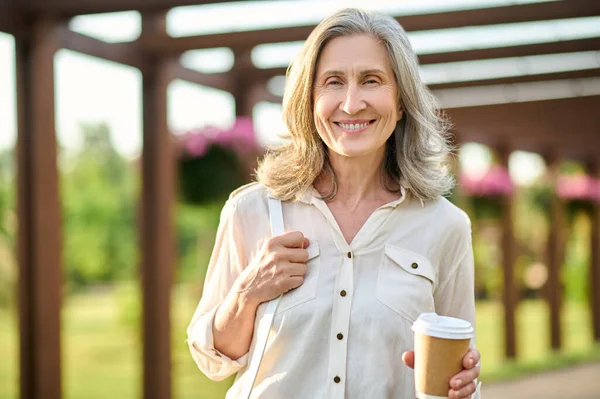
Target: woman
(370, 242)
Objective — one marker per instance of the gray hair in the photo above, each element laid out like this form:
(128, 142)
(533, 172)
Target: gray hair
(417, 153)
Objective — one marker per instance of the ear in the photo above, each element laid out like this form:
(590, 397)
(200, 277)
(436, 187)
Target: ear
(400, 114)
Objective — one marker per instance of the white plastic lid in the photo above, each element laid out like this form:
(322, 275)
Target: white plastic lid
(434, 325)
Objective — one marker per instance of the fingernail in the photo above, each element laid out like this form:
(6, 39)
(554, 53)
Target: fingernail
(471, 361)
(457, 384)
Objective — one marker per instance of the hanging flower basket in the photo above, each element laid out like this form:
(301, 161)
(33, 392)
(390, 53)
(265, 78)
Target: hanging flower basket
(580, 193)
(212, 162)
(485, 193)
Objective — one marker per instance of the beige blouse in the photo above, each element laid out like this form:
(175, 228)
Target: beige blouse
(341, 334)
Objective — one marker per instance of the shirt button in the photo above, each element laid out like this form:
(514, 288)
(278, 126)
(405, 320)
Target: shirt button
(343, 292)
(340, 336)
(350, 255)
(336, 379)
(414, 265)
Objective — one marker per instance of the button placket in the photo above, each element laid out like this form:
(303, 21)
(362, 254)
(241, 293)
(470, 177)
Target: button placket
(340, 324)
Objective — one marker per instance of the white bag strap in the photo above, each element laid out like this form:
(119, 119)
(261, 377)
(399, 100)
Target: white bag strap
(265, 323)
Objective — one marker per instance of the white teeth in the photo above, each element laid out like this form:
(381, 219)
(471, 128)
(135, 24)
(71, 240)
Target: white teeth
(354, 126)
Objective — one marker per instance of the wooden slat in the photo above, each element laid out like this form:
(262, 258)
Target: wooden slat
(508, 262)
(566, 46)
(492, 53)
(156, 229)
(122, 53)
(444, 20)
(588, 73)
(39, 230)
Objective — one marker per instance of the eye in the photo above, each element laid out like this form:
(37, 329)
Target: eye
(372, 81)
(333, 82)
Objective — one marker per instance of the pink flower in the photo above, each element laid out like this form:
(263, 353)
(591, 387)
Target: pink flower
(240, 137)
(195, 144)
(579, 186)
(496, 181)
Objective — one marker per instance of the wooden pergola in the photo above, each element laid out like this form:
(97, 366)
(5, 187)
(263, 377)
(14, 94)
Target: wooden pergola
(558, 129)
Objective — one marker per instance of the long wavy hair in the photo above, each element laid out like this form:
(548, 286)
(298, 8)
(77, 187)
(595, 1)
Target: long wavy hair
(418, 151)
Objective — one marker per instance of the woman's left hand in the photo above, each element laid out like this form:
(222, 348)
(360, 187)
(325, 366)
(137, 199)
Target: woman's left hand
(463, 384)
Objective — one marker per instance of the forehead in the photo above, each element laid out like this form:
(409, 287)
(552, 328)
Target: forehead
(351, 52)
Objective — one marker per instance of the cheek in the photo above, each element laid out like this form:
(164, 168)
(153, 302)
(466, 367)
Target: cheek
(322, 108)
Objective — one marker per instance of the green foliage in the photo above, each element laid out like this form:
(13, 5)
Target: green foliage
(196, 229)
(8, 266)
(98, 194)
(210, 177)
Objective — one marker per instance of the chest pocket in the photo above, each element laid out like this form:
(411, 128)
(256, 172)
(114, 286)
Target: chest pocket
(405, 282)
(308, 290)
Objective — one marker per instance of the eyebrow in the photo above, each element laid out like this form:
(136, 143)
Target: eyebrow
(365, 72)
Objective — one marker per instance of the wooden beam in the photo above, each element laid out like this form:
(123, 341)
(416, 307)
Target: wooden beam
(122, 53)
(156, 229)
(11, 21)
(39, 214)
(77, 7)
(220, 81)
(444, 20)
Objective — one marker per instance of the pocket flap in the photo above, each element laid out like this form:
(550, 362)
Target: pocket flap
(411, 262)
(313, 251)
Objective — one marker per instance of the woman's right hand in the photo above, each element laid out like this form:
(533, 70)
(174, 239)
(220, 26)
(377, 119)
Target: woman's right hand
(278, 267)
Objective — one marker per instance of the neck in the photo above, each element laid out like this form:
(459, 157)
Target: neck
(358, 178)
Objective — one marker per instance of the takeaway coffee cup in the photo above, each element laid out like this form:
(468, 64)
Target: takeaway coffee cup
(440, 344)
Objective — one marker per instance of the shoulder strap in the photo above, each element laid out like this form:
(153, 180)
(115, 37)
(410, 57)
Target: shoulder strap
(265, 323)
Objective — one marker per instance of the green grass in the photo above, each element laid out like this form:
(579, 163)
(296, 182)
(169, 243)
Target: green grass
(102, 352)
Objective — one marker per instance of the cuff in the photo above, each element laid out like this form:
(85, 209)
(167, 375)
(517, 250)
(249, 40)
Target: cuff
(213, 363)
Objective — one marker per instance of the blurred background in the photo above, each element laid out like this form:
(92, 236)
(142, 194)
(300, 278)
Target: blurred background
(125, 124)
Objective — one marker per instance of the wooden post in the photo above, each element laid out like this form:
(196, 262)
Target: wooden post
(594, 284)
(38, 206)
(508, 261)
(156, 228)
(243, 83)
(555, 255)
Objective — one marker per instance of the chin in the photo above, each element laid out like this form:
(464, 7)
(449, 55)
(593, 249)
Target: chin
(354, 152)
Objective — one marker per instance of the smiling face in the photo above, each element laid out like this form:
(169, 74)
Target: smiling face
(355, 96)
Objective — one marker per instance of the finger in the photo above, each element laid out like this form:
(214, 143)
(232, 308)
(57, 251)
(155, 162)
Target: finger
(408, 358)
(463, 393)
(471, 358)
(297, 269)
(293, 239)
(464, 378)
(294, 255)
(306, 243)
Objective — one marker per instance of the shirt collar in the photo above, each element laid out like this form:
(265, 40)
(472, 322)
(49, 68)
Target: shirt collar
(311, 194)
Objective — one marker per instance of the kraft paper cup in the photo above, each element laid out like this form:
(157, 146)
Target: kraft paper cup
(440, 344)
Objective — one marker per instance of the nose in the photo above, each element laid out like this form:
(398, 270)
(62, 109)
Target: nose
(353, 102)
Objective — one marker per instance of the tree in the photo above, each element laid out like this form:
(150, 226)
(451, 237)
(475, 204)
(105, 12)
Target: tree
(98, 194)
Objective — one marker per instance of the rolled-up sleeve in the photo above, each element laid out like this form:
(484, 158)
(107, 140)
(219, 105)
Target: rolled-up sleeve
(227, 261)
